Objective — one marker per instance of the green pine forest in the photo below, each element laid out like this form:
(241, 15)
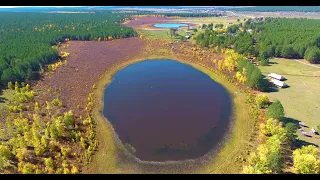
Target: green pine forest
(270, 37)
(279, 8)
(27, 40)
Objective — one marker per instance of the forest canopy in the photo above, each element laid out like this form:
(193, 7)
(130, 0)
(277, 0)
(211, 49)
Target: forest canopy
(178, 14)
(269, 37)
(279, 8)
(26, 39)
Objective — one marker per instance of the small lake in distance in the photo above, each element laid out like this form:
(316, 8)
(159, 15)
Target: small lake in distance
(167, 110)
(170, 25)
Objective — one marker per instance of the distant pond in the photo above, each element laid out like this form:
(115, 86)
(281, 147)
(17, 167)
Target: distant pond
(170, 25)
(166, 110)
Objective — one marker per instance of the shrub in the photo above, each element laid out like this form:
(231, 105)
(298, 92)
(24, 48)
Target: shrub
(56, 102)
(66, 171)
(312, 54)
(53, 131)
(306, 160)
(59, 171)
(89, 106)
(28, 87)
(16, 85)
(74, 170)
(273, 127)
(49, 163)
(68, 118)
(276, 110)
(26, 168)
(291, 129)
(10, 85)
(21, 153)
(36, 107)
(253, 75)
(264, 62)
(65, 151)
(5, 152)
(83, 142)
(262, 100)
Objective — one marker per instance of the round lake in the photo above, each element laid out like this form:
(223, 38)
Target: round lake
(170, 25)
(167, 110)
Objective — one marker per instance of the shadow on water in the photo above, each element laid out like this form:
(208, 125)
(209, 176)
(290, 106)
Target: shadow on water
(173, 149)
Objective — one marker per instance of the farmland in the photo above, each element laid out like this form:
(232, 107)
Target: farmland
(208, 20)
(301, 100)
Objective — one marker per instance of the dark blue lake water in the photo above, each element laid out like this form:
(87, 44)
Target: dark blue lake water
(167, 110)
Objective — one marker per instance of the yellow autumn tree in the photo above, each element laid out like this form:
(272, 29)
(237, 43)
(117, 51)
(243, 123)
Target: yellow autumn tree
(64, 54)
(231, 59)
(306, 160)
(241, 78)
(273, 127)
(262, 100)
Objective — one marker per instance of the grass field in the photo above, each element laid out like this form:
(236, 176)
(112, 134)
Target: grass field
(161, 34)
(301, 100)
(314, 15)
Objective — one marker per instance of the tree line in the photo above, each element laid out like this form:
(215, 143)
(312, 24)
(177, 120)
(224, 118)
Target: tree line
(277, 138)
(270, 37)
(279, 8)
(171, 14)
(27, 39)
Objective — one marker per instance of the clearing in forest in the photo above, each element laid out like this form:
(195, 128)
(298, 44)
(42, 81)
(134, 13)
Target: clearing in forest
(301, 100)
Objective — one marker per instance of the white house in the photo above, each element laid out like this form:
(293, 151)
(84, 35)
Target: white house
(276, 76)
(278, 83)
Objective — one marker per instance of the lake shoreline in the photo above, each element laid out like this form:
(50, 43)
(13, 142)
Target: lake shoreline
(117, 158)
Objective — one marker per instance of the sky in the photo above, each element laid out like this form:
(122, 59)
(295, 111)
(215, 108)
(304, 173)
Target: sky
(35, 6)
(82, 6)
(109, 6)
